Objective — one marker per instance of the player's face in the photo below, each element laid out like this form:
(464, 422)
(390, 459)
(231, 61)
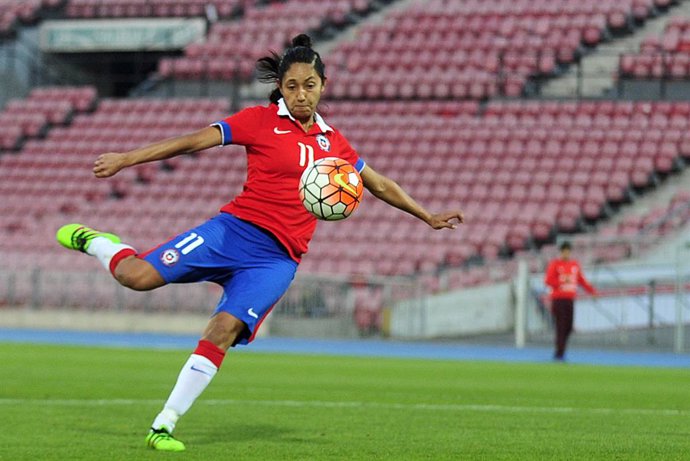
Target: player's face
(565, 254)
(301, 88)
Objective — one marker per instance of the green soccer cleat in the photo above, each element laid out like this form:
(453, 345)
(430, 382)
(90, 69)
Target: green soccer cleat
(161, 439)
(78, 237)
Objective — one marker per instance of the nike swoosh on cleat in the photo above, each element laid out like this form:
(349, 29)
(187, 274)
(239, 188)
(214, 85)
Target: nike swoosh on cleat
(199, 370)
(277, 131)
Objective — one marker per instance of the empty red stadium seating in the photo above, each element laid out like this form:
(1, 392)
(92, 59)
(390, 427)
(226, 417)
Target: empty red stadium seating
(232, 47)
(520, 170)
(439, 49)
(567, 180)
(472, 49)
(13, 12)
(151, 8)
(49, 180)
(31, 117)
(667, 56)
(635, 233)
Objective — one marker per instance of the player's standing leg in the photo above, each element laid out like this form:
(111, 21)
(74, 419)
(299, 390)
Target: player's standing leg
(254, 269)
(568, 315)
(222, 331)
(563, 312)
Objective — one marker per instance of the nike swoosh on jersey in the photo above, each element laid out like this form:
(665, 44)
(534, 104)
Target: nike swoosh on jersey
(252, 313)
(277, 131)
(339, 180)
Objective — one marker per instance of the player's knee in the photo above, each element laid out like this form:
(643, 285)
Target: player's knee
(129, 280)
(137, 275)
(133, 280)
(224, 330)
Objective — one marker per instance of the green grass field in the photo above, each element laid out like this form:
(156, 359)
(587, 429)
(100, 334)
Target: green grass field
(72, 403)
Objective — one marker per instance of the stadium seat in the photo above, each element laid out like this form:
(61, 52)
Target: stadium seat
(16, 12)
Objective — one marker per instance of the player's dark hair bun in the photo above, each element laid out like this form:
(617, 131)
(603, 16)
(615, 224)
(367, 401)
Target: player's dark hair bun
(302, 40)
(272, 68)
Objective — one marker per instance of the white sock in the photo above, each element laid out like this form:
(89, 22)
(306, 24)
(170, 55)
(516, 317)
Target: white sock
(104, 250)
(196, 374)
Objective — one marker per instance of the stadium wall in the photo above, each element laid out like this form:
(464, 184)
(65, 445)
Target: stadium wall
(23, 67)
(14, 72)
(69, 319)
(649, 90)
(471, 311)
(630, 312)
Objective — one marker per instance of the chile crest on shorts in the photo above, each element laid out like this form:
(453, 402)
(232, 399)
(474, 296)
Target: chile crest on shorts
(170, 256)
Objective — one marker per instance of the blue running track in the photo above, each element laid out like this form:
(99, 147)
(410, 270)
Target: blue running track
(362, 348)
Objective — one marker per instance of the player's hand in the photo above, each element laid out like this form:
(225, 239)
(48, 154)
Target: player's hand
(108, 164)
(446, 220)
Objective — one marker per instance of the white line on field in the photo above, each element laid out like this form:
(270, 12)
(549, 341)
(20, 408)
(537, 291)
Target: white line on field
(353, 404)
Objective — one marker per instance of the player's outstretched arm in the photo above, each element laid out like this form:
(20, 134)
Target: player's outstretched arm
(110, 163)
(390, 192)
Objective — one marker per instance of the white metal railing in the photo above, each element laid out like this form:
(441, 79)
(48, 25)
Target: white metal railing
(354, 305)
(642, 304)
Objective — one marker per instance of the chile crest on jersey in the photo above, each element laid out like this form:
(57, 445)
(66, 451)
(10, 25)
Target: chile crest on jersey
(323, 142)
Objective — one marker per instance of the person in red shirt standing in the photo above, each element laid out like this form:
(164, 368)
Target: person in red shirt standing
(563, 275)
(253, 246)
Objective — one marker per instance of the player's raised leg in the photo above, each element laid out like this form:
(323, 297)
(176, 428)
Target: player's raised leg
(118, 258)
(79, 237)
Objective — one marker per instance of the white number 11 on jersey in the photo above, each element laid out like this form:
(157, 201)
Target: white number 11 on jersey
(304, 152)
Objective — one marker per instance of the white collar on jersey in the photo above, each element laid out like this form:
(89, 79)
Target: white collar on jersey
(283, 111)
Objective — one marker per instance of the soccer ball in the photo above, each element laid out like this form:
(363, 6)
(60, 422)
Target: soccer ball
(330, 189)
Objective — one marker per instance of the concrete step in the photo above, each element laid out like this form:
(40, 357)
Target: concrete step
(594, 75)
(660, 196)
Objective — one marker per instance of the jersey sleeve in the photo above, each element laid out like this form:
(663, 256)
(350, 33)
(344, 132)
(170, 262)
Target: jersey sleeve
(551, 277)
(241, 127)
(584, 283)
(347, 152)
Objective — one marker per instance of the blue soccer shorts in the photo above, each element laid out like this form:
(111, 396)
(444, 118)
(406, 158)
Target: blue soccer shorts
(253, 268)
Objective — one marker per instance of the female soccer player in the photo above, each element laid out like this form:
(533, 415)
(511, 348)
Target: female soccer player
(253, 246)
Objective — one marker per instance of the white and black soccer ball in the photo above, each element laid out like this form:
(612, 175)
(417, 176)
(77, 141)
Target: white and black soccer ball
(331, 189)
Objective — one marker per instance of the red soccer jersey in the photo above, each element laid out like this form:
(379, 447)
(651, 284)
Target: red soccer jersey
(563, 276)
(278, 151)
